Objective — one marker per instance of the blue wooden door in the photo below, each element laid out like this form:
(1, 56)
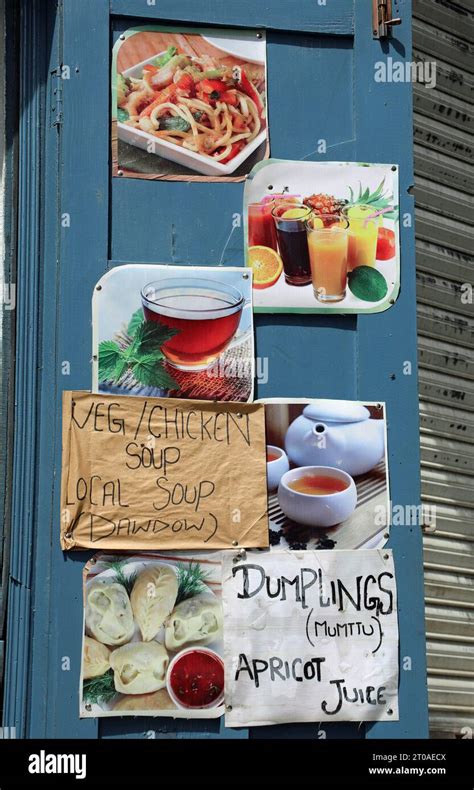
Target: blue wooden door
(76, 222)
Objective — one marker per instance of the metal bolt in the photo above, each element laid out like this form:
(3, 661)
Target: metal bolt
(122, 37)
(120, 172)
(270, 186)
(259, 35)
(389, 712)
(235, 542)
(386, 556)
(68, 535)
(88, 706)
(245, 276)
(386, 535)
(394, 167)
(228, 708)
(98, 288)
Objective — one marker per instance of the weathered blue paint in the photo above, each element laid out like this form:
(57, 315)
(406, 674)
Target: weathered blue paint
(338, 357)
(332, 17)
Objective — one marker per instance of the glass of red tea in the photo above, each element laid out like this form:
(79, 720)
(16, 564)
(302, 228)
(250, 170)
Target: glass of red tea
(292, 241)
(205, 314)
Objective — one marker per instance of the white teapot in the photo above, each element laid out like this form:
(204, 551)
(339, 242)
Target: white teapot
(337, 433)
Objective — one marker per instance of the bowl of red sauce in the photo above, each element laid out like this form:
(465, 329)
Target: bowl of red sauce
(195, 678)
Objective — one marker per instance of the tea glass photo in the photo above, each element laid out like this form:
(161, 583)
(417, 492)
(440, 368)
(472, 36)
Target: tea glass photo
(317, 496)
(328, 255)
(277, 465)
(292, 241)
(205, 313)
(363, 232)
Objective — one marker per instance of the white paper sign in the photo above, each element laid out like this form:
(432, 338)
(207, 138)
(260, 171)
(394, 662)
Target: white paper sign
(310, 636)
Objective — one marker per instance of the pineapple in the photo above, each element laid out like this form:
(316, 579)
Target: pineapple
(373, 201)
(324, 204)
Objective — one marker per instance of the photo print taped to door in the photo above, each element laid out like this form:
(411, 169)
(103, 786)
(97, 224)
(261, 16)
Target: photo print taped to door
(150, 473)
(188, 104)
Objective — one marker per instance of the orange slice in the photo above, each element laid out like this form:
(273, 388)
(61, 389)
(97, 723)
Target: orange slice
(266, 264)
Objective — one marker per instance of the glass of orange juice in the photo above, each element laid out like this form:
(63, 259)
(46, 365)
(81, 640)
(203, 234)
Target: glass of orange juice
(363, 231)
(328, 250)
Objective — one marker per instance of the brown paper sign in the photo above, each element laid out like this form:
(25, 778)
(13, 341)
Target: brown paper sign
(152, 473)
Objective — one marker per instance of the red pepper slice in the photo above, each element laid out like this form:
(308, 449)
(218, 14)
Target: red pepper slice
(246, 87)
(213, 86)
(234, 150)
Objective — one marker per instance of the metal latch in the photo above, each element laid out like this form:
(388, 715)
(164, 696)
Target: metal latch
(382, 21)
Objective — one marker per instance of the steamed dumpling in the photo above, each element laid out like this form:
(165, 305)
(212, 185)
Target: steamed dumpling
(95, 658)
(139, 668)
(197, 619)
(109, 617)
(153, 597)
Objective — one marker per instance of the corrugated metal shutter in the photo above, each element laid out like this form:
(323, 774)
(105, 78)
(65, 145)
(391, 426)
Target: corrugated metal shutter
(443, 30)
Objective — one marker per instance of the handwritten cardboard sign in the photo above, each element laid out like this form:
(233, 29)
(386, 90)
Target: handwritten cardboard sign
(152, 473)
(310, 636)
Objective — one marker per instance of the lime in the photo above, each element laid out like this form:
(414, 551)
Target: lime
(367, 283)
(294, 213)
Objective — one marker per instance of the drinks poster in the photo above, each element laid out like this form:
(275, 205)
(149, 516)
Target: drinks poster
(188, 104)
(327, 474)
(153, 636)
(178, 331)
(310, 636)
(162, 473)
(323, 236)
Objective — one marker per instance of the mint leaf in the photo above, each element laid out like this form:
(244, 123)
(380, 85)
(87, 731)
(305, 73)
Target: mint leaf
(120, 368)
(122, 115)
(110, 354)
(135, 321)
(150, 336)
(149, 371)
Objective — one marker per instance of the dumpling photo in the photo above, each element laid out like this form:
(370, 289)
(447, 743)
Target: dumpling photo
(109, 616)
(139, 668)
(198, 619)
(142, 613)
(153, 597)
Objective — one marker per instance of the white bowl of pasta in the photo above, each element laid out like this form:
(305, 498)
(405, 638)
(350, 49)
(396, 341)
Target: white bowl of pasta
(207, 119)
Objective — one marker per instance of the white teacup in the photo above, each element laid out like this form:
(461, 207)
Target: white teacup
(277, 468)
(317, 510)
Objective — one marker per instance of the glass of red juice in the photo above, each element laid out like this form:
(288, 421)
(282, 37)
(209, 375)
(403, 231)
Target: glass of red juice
(262, 231)
(205, 313)
(292, 241)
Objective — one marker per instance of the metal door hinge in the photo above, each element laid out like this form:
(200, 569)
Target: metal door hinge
(382, 20)
(56, 97)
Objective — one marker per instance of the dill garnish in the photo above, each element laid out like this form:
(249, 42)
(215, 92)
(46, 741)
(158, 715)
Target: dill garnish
(191, 580)
(100, 690)
(117, 566)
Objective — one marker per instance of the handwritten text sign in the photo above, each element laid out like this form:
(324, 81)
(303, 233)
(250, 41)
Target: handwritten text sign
(310, 636)
(162, 473)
